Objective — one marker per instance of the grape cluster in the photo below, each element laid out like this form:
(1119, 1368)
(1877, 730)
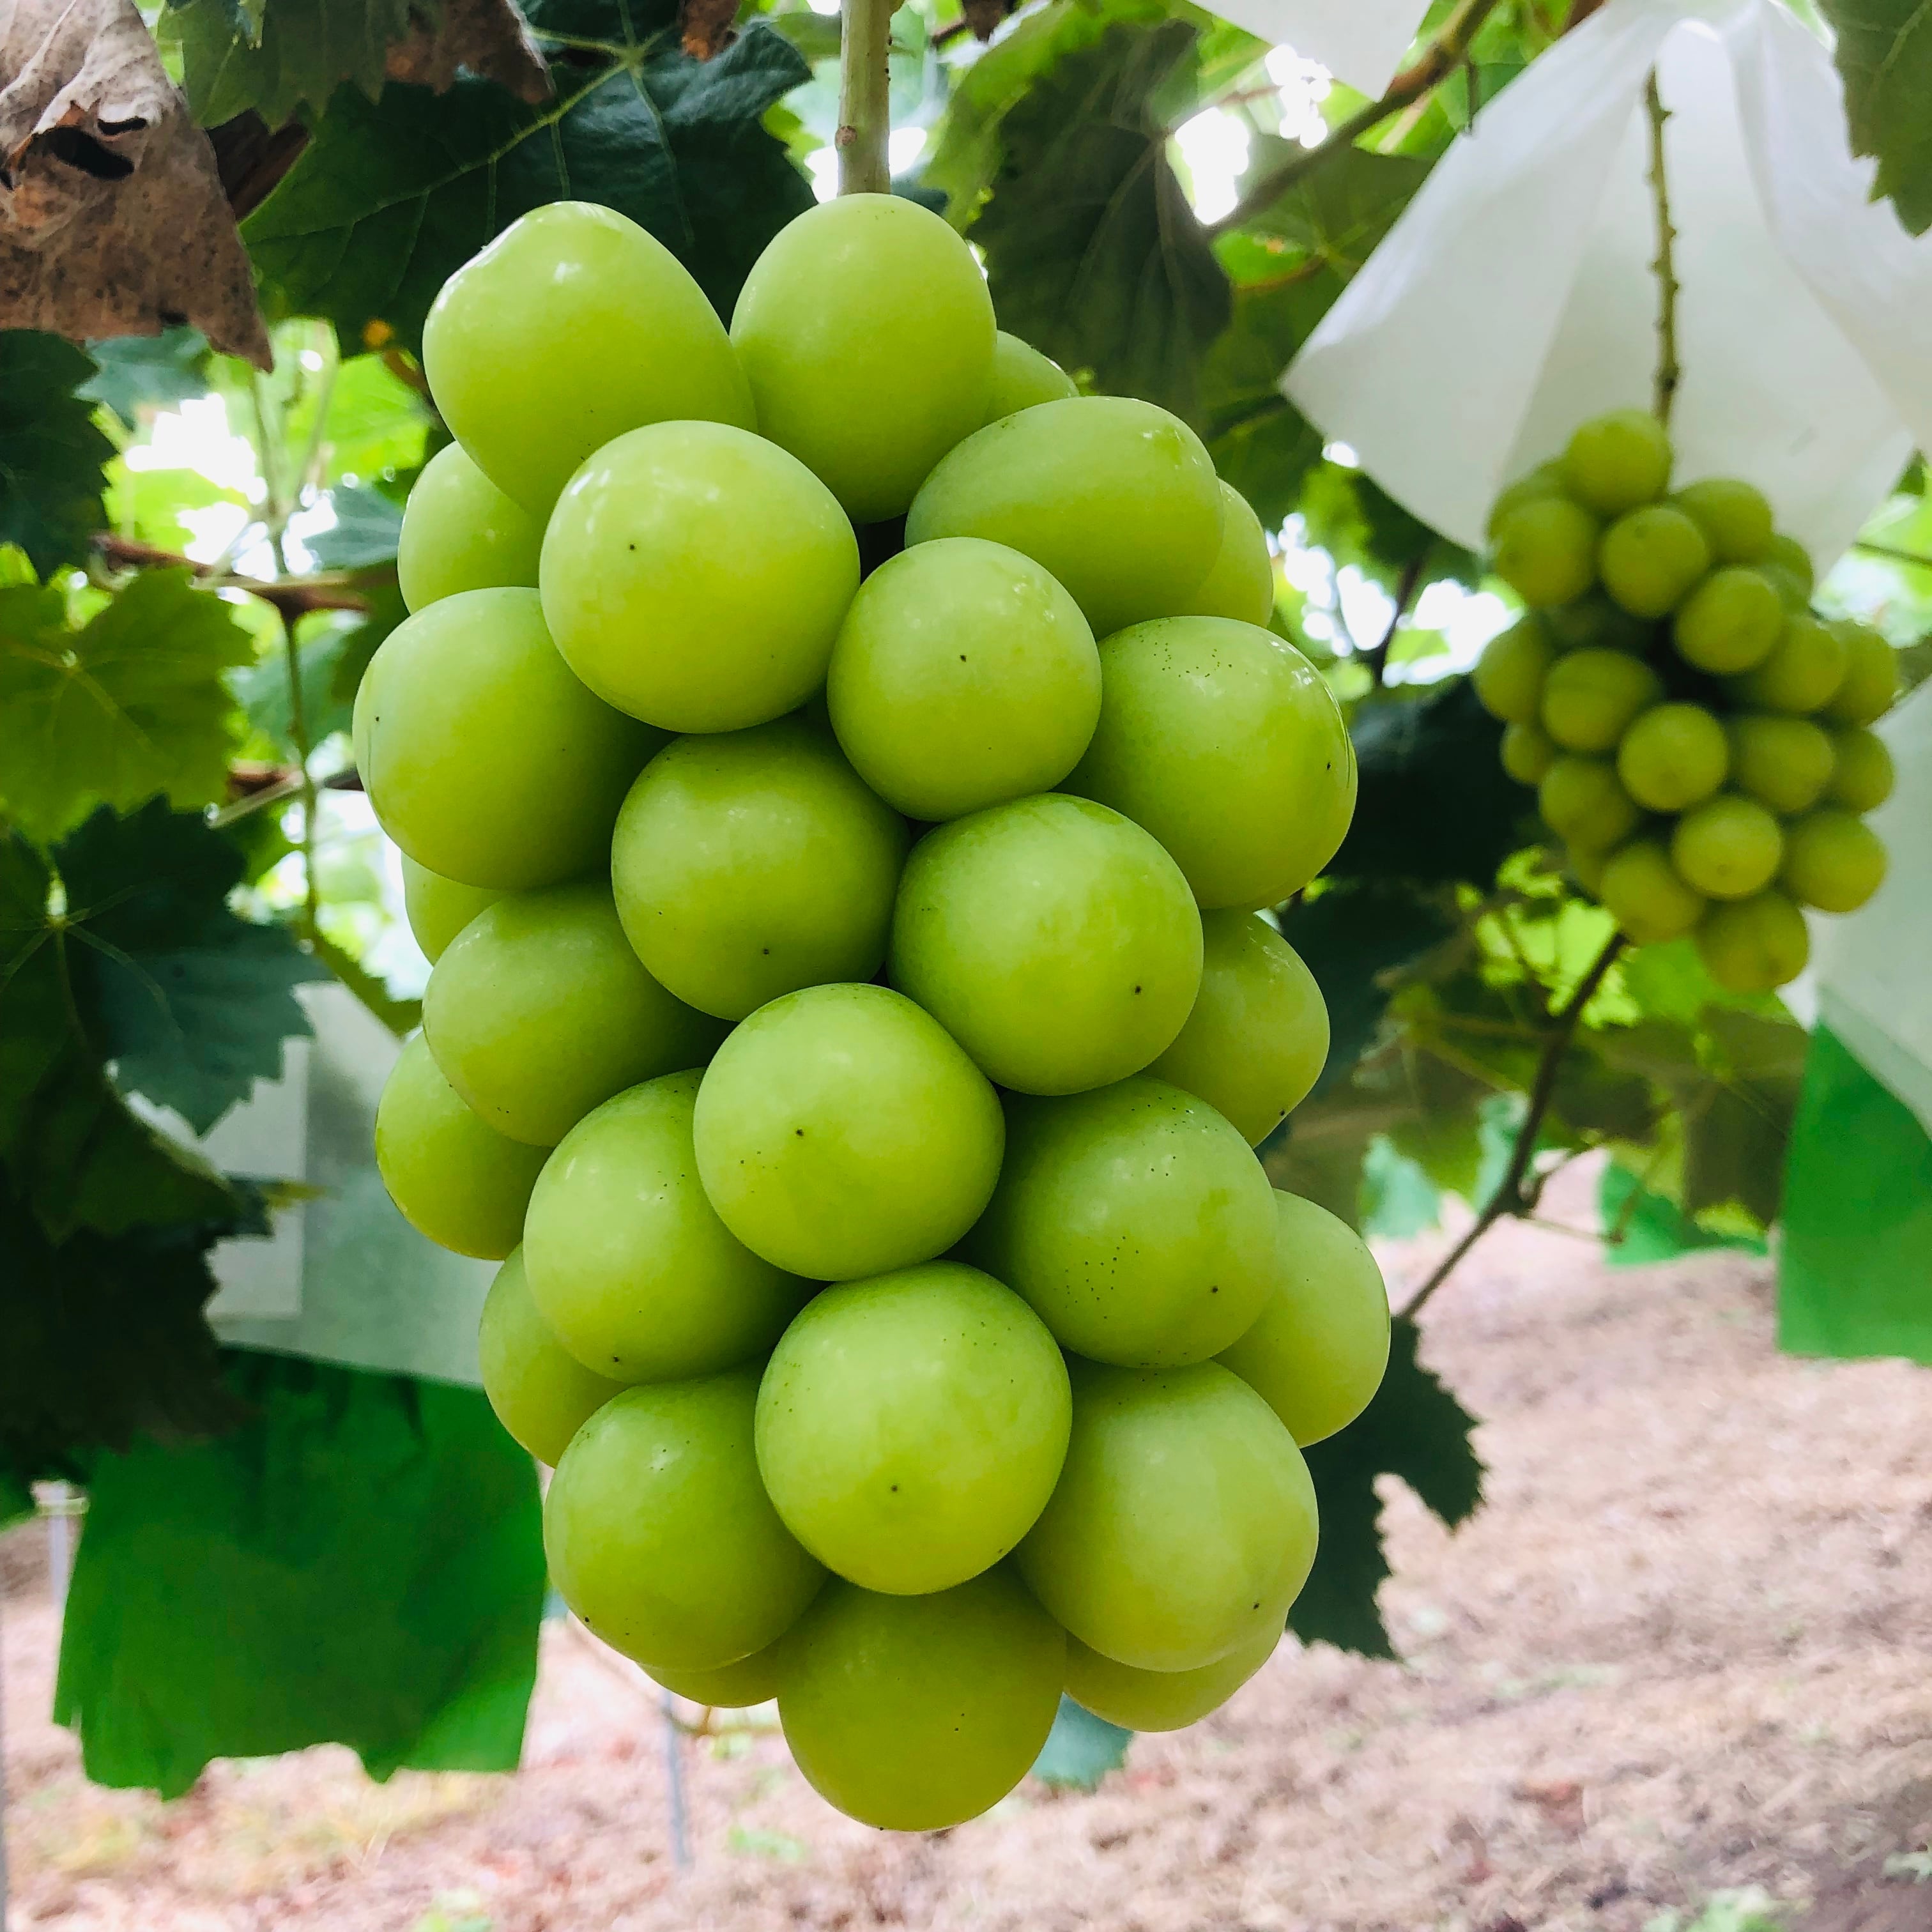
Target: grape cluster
(851, 1022)
(1698, 737)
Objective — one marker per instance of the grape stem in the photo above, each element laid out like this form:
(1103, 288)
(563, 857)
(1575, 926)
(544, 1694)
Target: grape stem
(1517, 1192)
(1670, 372)
(865, 96)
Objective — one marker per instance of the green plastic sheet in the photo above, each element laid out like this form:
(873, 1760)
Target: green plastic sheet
(361, 1563)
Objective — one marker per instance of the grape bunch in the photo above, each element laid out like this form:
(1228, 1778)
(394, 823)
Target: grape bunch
(838, 768)
(1698, 737)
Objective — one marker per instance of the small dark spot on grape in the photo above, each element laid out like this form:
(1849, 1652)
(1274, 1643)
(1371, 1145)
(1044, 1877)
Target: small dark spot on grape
(962, 657)
(799, 1131)
(766, 950)
(633, 546)
(1137, 989)
(895, 1488)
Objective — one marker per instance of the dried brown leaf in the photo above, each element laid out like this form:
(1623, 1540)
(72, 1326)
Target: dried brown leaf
(488, 37)
(706, 26)
(984, 17)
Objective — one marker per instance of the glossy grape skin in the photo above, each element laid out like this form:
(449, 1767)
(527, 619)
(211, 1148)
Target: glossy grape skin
(1584, 803)
(542, 1393)
(1728, 847)
(1650, 560)
(1118, 498)
(1135, 1220)
(1750, 946)
(460, 532)
(963, 676)
(913, 1713)
(438, 909)
(1789, 555)
(840, 1132)
(1509, 675)
(1052, 938)
(1833, 860)
(1256, 1041)
(661, 1537)
(1240, 584)
(1642, 891)
(911, 1426)
(1672, 756)
(1803, 671)
(1022, 377)
(627, 1260)
(1162, 1700)
(1316, 1352)
(622, 335)
(749, 863)
(1545, 550)
(1735, 519)
(1616, 461)
(731, 1687)
(1545, 480)
(1862, 775)
(1591, 696)
(867, 334)
(659, 603)
(1731, 623)
(1224, 743)
(539, 1012)
(1784, 763)
(483, 757)
(1184, 1522)
(455, 1178)
(1871, 676)
(1527, 752)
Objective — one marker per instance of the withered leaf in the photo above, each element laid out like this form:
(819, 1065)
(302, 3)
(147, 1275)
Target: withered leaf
(705, 26)
(984, 17)
(488, 37)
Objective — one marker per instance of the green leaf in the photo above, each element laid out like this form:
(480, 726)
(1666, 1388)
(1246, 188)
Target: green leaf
(1641, 1227)
(51, 452)
(368, 523)
(280, 57)
(130, 704)
(1081, 1749)
(1261, 442)
(1327, 224)
(376, 425)
(324, 638)
(138, 373)
(1884, 55)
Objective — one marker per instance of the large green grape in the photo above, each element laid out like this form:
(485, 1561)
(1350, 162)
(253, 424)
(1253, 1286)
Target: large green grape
(1184, 1521)
(1316, 1353)
(455, 1178)
(1162, 1700)
(1545, 480)
(867, 333)
(1617, 461)
(750, 863)
(963, 676)
(1640, 889)
(572, 326)
(913, 1713)
(1508, 677)
(1596, 621)
(1805, 668)
(1784, 763)
(1584, 803)
(1053, 939)
(1728, 848)
(911, 1427)
(731, 1687)
(1591, 696)
(1735, 518)
(539, 1011)
(627, 1259)
(1861, 773)
(1257, 1039)
(1871, 676)
(1022, 377)
(1790, 556)
(486, 760)
(661, 1537)
(1650, 559)
(1136, 1221)
(438, 909)
(840, 1132)
(1240, 585)
(1116, 498)
(1750, 946)
(1833, 860)
(1545, 549)
(1672, 756)
(1527, 753)
(460, 532)
(542, 1393)
(695, 575)
(1224, 743)
(1731, 623)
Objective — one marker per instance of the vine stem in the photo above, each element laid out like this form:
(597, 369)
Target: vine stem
(305, 787)
(1670, 372)
(865, 98)
(1375, 659)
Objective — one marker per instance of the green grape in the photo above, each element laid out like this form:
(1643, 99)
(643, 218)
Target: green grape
(1183, 1525)
(1833, 860)
(1052, 938)
(660, 603)
(1316, 1354)
(1022, 377)
(1590, 698)
(1508, 677)
(1527, 753)
(1240, 584)
(749, 863)
(840, 1132)
(1728, 848)
(868, 334)
(1545, 480)
(1586, 867)
(1805, 668)
(438, 909)
(1731, 623)
(1862, 774)
(1615, 462)
(1650, 559)
(1583, 802)
(732, 1687)
(542, 1393)
(1115, 497)
(484, 759)
(1545, 549)
(539, 1012)
(1135, 1220)
(1735, 518)
(1640, 889)
(1595, 621)
(628, 1262)
(913, 1713)
(621, 334)
(1751, 945)
(1789, 555)
(1161, 1700)
(1672, 756)
(661, 1537)
(1784, 763)
(1257, 1039)
(911, 1427)
(963, 676)
(1225, 744)
(455, 1178)
(460, 532)
(1871, 676)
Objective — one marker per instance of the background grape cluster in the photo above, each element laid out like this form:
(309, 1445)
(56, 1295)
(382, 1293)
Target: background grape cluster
(837, 768)
(1697, 735)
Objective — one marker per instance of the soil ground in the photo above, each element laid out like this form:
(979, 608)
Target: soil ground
(1683, 1648)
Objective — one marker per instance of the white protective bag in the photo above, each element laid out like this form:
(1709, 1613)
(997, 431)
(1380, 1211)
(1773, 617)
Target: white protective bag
(1360, 41)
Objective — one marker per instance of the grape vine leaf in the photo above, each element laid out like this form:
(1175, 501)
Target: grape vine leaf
(1081, 1749)
(1884, 57)
(1415, 1429)
(152, 371)
(51, 452)
(1261, 442)
(129, 704)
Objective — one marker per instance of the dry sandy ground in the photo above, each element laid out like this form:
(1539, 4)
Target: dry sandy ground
(1685, 1648)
